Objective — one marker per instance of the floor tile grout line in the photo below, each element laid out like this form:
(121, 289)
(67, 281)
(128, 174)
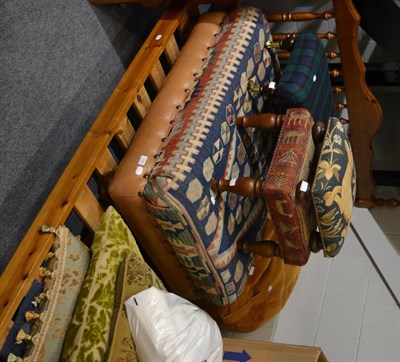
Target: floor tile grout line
(271, 338)
(363, 312)
(274, 330)
(375, 265)
(322, 302)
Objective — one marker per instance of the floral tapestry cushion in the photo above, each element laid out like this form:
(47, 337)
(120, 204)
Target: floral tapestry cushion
(133, 277)
(204, 144)
(64, 274)
(293, 219)
(87, 335)
(334, 188)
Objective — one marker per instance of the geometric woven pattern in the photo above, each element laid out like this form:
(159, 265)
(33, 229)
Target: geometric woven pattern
(305, 81)
(334, 188)
(204, 144)
(293, 219)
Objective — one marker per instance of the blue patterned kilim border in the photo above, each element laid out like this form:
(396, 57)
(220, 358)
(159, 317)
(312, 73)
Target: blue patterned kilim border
(204, 144)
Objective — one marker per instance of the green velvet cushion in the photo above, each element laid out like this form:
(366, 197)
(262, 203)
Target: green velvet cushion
(334, 187)
(66, 271)
(87, 335)
(134, 276)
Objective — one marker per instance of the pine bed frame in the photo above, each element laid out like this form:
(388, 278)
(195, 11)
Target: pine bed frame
(95, 156)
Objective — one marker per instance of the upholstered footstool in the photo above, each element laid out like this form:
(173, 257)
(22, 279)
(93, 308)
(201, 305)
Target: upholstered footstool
(188, 137)
(305, 80)
(309, 188)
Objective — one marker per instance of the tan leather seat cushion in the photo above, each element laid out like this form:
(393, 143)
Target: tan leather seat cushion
(264, 296)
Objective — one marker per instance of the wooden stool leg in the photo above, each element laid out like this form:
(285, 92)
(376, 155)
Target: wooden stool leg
(265, 248)
(265, 121)
(244, 186)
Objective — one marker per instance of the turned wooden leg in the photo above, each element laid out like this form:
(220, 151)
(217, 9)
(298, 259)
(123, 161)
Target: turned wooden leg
(270, 249)
(265, 121)
(315, 243)
(244, 186)
(102, 187)
(318, 132)
(265, 248)
(283, 44)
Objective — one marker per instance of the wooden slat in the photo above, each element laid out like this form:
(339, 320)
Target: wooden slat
(125, 134)
(157, 76)
(88, 209)
(365, 113)
(106, 163)
(171, 51)
(142, 102)
(19, 273)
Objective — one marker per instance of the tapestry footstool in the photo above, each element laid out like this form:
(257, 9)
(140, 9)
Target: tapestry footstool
(189, 137)
(309, 187)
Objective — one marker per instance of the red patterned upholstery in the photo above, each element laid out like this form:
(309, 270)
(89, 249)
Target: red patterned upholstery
(294, 220)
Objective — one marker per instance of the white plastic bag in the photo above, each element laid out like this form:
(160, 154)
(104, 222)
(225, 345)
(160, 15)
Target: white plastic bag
(166, 327)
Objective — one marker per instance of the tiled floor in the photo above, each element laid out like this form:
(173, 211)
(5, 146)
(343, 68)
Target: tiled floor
(348, 305)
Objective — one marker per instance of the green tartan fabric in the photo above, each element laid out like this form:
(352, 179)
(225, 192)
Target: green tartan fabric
(305, 82)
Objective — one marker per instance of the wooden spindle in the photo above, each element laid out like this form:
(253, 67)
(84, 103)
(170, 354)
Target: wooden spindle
(284, 55)
(244, 186)
(298, 16)
(340, 106)
(282, 36)
(337, 90)
(332, 55)
(265, 121)
(335, 73)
